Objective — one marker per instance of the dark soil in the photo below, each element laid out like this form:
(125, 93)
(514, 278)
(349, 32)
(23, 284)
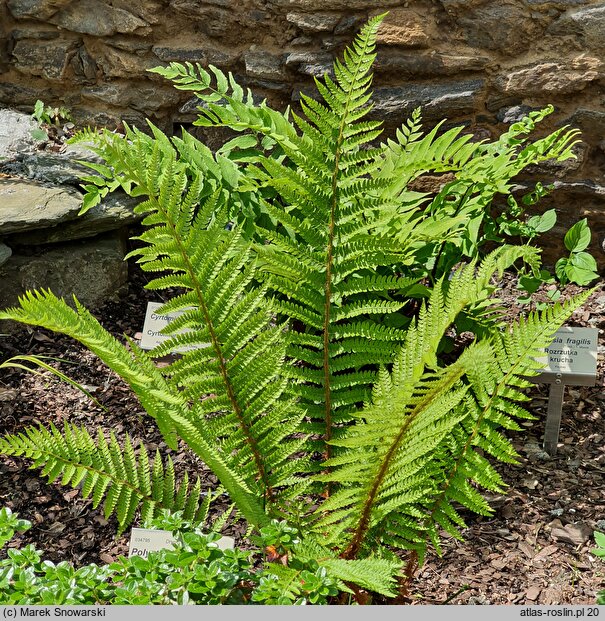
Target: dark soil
(535, 549)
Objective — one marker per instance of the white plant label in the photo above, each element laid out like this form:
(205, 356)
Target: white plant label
(573, 351)
(154, 323)
(146, 540)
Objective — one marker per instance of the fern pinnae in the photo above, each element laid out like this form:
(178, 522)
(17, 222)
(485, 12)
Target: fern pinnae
(194, 279)
(535, 336)
(101, 469)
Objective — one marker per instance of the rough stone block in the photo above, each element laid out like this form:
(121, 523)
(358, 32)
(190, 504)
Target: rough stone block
(205, 53)
(588, 23)
(333, 5)
(404, 28)
(499, 25)
(114, 212)
(260, 64)
(550, 78)
(128, 43)
(47, 59)
(36, 9)
(93, 270)
(16, 95)
(15, 134)
(25, 206)
(34, 32)
(53, 168)
(308, 58)
(591, 122)
(116, 63)
(394, 104)
(193, 7)
(98, 19)
(83, 65)
(405, 66)
(314, 22)
(144, 97)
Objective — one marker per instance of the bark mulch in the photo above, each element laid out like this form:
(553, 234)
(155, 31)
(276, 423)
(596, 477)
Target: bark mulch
(535, 549)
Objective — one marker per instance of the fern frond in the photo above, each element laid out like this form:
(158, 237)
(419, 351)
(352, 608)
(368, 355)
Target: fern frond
(104, 469)
(424, 423)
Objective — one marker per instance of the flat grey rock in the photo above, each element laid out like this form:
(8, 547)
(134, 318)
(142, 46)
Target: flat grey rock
(114, 212)
(53, 168)
(26, 206)
(444, 100)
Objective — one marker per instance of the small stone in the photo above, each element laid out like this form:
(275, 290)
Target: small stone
(552, 77)
(98, 19)
(409, 65)
(202, 54)
(124, 93)
(260, 64)
(586, 22)
(332, 5)
(513, 114)
(533, 593)
(116, 63)
(5, 253)
(36, 9)
(314, 22)
(446, 99)
(498, 25)
(403, 28)
(309, 58)
(47, 59)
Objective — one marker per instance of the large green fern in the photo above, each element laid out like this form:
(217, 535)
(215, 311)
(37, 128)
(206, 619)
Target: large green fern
(344, 257)
(316, 292)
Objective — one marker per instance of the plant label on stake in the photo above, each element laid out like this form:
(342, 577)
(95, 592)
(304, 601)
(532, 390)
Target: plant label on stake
(570, 359)
(146, 540)
(153, 325)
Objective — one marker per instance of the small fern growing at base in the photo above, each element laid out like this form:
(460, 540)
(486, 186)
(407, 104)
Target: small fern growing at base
(317, 293)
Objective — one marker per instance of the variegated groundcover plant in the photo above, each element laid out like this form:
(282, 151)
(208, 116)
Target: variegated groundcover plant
(320, 295)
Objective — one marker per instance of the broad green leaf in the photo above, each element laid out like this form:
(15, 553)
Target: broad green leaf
(578, 236)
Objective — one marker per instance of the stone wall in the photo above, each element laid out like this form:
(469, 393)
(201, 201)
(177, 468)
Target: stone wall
(482, 63)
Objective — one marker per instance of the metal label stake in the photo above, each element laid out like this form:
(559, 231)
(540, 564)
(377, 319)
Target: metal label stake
(571, 359)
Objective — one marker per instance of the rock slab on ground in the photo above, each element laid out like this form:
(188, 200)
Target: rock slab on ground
(25, 206)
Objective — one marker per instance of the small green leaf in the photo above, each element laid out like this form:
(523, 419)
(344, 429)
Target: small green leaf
(543, 223)
(583, 260)
(241, 142)
(39, 134)
(560, 269)
(578, 236)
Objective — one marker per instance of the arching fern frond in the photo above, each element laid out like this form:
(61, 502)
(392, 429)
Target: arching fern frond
(411, 455)
(117, 473)
(163, 401)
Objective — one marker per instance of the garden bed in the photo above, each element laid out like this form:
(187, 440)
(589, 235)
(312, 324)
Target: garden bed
(535, 549)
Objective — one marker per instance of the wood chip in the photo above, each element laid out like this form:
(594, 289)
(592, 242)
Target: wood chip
(575, 534)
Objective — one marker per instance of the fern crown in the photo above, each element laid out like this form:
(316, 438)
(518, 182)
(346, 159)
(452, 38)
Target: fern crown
(317, 294)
